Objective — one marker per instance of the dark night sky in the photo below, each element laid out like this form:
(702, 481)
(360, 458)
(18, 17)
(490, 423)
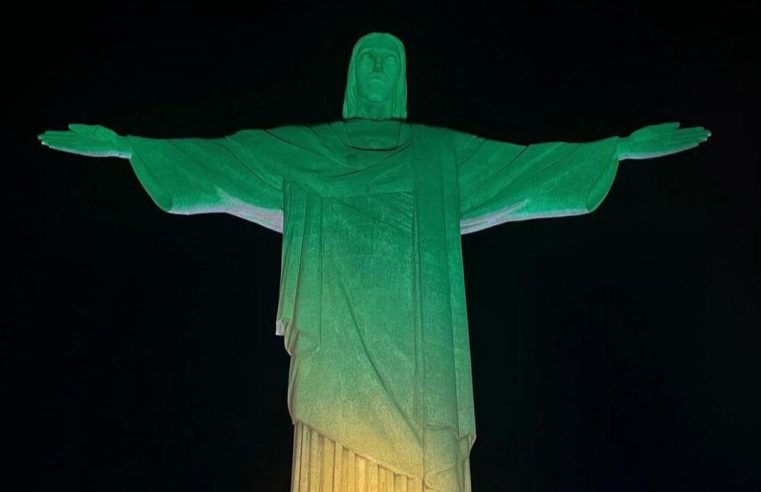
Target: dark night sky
(616, 351)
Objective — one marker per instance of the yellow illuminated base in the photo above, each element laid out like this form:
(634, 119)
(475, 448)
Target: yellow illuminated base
(323, 465)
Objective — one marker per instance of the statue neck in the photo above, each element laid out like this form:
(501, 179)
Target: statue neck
(374, 111)
(373, 134)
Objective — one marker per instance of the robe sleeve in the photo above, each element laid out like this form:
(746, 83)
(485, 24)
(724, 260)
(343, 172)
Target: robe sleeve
(502, 182)
(241, 175)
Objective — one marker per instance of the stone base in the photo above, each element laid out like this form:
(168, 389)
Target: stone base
(323, 465)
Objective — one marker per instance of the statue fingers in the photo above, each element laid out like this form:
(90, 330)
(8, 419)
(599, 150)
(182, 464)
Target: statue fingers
(80, 136)
(66, 138)
(694, 131)
(690, 138)
(55, 133)
(699, 133)
(693, 128)
(675, 139)
(73, 143)
(63, 144)
(65, 147)
(82, 150)
(61, 140)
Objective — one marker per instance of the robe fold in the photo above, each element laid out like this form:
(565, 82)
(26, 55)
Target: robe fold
(372, 297)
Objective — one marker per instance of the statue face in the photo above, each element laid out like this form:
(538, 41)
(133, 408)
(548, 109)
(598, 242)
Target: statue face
(377, 70)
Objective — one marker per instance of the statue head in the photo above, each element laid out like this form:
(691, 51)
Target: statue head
(376, 86)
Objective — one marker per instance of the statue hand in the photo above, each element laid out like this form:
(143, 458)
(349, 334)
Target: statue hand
(90, 140)
(659, 140)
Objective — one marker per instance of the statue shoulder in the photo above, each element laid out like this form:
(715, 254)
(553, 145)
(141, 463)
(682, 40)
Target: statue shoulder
(454, 137)
(285, 133)
(436, 130)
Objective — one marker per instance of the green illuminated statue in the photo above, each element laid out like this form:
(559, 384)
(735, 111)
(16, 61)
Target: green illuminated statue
(372, 299)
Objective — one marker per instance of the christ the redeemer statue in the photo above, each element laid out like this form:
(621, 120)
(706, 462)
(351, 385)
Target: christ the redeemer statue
(372, 298)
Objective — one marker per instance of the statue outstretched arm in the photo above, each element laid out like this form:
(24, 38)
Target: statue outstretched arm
(502, 182)
(240, 175)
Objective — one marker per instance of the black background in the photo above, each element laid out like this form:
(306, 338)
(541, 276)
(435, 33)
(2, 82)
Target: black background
(616, 351)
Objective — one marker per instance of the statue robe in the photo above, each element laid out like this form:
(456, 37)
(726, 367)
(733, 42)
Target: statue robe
(372, 298)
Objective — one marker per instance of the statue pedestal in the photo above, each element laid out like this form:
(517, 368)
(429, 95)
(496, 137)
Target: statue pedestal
(323, 465)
